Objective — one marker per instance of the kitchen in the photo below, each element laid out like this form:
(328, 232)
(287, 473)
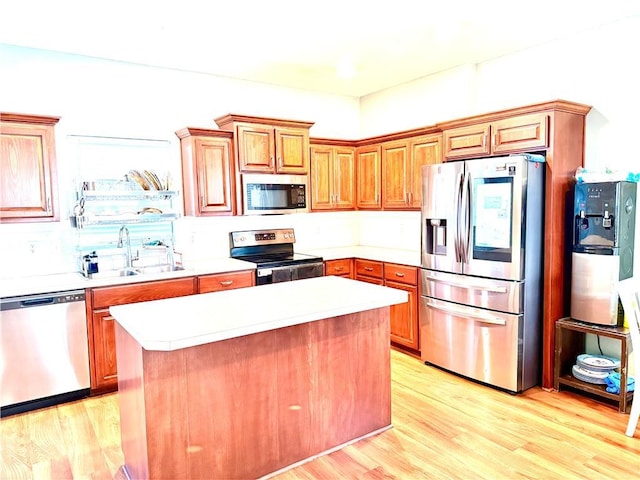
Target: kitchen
(81, 91)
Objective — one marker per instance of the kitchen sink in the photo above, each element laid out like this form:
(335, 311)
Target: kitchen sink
(135, 271)
(158, 269)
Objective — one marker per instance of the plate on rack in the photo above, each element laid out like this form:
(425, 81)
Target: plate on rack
(153, 179)
(589, 376)
(141, 180)
(600, 363)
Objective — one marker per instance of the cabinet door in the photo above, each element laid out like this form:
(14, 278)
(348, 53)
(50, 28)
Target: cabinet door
(225, 281)
(322, 178)
(256, 148)
(523, 133)
(368, 177)
(104, 365)
(344, 178)
(471, 141)
(214, 175)
(27, 162)
(404, 317)
(425, 150)
(292, 147)
(395, 168)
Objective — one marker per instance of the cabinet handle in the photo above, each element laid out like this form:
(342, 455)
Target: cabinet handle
(226, 283)
(279, 161)
(494, 139)
(399, 274)
(368, 269)
(338, 268)
(48, 204)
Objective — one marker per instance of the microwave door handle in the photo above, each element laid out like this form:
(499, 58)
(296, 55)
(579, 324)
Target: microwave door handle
(468, 286)
(460, 312)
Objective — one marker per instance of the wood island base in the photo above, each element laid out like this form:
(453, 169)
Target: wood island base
(249, 406)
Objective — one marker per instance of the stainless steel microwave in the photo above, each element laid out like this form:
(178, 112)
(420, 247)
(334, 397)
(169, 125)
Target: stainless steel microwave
(267, 194)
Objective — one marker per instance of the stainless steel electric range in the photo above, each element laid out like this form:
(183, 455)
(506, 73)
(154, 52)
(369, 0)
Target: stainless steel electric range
(272, 252)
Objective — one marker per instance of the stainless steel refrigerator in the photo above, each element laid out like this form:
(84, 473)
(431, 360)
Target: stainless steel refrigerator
(481, 275)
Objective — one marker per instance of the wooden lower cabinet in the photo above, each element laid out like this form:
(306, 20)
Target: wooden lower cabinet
(369, 271)
(342, 267)
(102, 343)
(218, 282)
(404, 317)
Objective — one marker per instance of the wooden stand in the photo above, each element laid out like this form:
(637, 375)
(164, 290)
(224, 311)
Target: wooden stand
(570, 342)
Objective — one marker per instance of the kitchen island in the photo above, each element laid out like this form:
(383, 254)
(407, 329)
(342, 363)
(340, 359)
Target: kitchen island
(245, 383)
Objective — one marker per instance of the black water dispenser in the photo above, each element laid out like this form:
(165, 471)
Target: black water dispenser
(603, 249)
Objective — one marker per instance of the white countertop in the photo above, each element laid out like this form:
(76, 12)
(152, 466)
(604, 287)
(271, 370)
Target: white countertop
(29, 285)
(391, 255)
(181, 322)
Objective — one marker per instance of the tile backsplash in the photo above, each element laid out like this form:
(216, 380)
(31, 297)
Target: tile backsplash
(46, 248)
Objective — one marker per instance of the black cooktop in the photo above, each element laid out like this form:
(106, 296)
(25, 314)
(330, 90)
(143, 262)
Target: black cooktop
(279, 260)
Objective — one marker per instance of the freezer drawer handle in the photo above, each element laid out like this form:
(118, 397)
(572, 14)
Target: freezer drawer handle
(461, 313)
(467, 286)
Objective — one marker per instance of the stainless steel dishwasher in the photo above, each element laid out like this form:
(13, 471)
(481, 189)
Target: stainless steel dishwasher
(44, 352)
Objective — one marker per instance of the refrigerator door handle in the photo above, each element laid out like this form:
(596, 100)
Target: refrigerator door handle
(461, 312)
(468, 286)
(457, 240)
(464, 231)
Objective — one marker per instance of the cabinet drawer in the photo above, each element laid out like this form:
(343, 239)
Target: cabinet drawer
(338, 267)
(104, 297)
(225, 281)
(369, 268)
(400, 273)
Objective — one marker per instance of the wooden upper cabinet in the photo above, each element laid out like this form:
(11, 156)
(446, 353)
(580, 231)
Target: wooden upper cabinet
(395, 171)
(256, 148)
(527, 132)
(402, 162)
(423, 150)
(510, 135)
(292, 150)
(207, 172)
(28, 183)
(332, 177)
(368, 183)
(471, 141)
(269, 145)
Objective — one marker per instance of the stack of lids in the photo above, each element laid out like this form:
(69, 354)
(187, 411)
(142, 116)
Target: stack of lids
(594, 368)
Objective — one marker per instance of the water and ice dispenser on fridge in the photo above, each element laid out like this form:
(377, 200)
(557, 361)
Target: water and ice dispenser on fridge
(603, 248)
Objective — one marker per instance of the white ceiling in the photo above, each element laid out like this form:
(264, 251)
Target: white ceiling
(302, 44)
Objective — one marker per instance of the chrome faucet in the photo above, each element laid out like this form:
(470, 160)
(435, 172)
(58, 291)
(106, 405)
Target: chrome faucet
(124, 231)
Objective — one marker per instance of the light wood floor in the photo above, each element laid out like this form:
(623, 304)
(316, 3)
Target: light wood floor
(444, 427)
